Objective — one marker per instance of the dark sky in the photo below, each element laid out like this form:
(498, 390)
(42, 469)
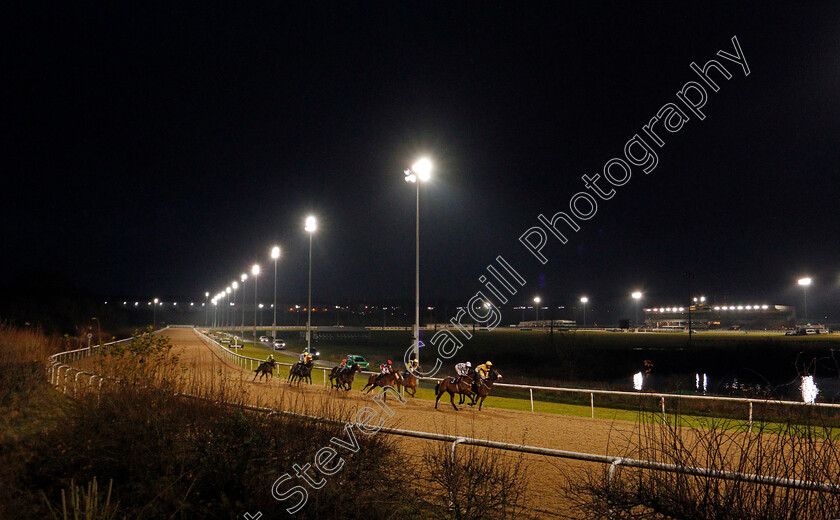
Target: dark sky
(161, 149)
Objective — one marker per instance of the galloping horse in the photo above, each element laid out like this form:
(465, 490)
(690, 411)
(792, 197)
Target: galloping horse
(343, 379)
(482, 388)
(300, 372)
(409, 381)
(390, 379)
(453, 385)
(266, 369)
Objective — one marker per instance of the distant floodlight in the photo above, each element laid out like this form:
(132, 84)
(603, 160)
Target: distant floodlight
(537, 299)
(235, 285)
(275, 252)
(636, 295)
(255, 270)
(638, 378)
(809, 389)
(584, 300)
(243, 277)
(804, 281)
(764, 306)
(702, 298)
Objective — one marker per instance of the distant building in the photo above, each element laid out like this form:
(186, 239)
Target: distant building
(705, 316)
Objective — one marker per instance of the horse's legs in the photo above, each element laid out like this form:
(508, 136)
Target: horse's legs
(481, 402)
(452, 399)
(438, 396)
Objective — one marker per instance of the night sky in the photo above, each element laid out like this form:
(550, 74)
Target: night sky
(159, 150)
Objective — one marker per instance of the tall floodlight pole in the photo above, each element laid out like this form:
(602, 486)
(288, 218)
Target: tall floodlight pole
(214, 311)
(243, 277)
(154, 314)
(537, 301)
(310, 227)
(420, 171)
(805, 282)
(584, 301)
(255, 271)
(275, 254)
(637, 295)
(228, 321)
(206, 308)
(234, 285)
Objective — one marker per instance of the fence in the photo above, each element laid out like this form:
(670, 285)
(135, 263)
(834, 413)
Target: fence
(747, 402)
(58, 364)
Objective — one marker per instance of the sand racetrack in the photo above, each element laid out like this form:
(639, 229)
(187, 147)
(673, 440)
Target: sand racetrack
(588, 435)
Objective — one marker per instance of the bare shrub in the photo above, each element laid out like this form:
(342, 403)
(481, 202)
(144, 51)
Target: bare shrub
(807, 453)
(479, 483)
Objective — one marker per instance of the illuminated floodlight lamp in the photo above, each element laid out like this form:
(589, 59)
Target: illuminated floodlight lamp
(804, 281)
(636, 295)
(423, 169)
(243, 277)
(717, 307)
(764, 306)
(740, 307)
(695, 298)
(585, 300)
(702, 298)
(275, 252)
(255, 270)
(682, 309)
(234, 285)
(749, 307)
(310, 224)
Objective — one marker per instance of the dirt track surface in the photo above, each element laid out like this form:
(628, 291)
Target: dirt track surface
(535, 429)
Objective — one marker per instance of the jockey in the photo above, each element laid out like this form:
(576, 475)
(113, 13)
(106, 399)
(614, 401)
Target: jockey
(302, 358)
(482, 371)
(413, 365)
(385, 368)
(463, 369)
(270, 358)
(307, 359)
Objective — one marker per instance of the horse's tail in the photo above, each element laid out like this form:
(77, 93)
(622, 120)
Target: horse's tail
(437, 386)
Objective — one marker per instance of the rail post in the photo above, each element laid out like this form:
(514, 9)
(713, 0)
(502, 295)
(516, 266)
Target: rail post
(751, 410)
(662, 399)
(592, 405)
(532, 399)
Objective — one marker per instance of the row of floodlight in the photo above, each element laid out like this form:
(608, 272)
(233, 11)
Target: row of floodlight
(716, 307)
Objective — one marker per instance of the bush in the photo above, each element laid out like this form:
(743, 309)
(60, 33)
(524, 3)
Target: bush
(479, 483)
(809, 452)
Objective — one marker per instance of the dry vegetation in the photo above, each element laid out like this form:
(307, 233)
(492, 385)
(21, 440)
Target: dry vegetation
(140, 449)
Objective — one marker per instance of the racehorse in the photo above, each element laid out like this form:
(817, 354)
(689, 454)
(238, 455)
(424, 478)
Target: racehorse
(482, 388)
(454, 386)
(409, 381)
(343, 379)
(390, 379)
(266, 369)
(300, 372)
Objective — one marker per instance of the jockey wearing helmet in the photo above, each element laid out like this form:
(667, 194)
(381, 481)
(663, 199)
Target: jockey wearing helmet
(385, 368)
(412, 366)
(463, 369)
(483, 370)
